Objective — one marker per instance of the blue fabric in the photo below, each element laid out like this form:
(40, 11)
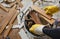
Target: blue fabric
(54, 33)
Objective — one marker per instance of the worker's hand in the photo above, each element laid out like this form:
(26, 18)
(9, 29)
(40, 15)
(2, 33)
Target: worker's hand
(37, 29)
(51, 9)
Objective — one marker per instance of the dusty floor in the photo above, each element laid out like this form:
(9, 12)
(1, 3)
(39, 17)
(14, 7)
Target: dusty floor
(13, 34)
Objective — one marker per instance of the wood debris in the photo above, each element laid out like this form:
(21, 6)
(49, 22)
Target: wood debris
(10, 3)
(8, 15)
(34, 1)
(5, 9)
(42, 13)
(34, 17)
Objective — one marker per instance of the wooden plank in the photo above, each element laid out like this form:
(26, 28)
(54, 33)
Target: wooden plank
(6, 21)
(35, 18)
(19, 3)
(10, 1)
(15, 21)
(3, 15)
(13, 18)
(9, 27)
(4, 0)
(14, 34)
(40, 11)
(49, 21)
(4, 8)
(8, 30)
(11, 4)
(34, 1)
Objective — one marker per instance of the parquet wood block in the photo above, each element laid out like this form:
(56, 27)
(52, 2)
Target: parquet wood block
(7, 18)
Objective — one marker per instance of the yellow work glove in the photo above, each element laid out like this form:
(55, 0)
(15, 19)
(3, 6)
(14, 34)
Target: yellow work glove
(51, 9)
(37, 29)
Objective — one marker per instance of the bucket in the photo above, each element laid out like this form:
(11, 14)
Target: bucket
(30, 35)
(28, 23)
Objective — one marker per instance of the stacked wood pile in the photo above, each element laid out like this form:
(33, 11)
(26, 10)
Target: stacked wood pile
(38, 13)
(8, 15)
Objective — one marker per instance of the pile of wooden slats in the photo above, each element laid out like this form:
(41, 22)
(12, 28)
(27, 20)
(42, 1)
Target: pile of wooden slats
(8, 15)
(39, 16)
(43, 14)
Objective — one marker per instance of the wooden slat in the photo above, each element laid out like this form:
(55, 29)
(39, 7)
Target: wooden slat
(14, 34)
(11, 4)
(4, 0)
(8, 30)
(10, 1)
(6, 21)
(19, 3)
(13, 18)
(35, 18)
(34, 1)
(49, 21)
(40, 11)
(3, 15)
(4, 8)
(9, 27)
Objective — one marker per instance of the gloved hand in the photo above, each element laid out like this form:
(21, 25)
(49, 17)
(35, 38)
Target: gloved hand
(37, 29)
(51, 9)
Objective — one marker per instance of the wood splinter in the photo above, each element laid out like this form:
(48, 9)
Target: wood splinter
(35, 18)
(4, 8)
(40, 11)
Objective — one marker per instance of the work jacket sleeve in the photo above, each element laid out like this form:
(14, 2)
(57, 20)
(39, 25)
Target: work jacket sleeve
(54, 33)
